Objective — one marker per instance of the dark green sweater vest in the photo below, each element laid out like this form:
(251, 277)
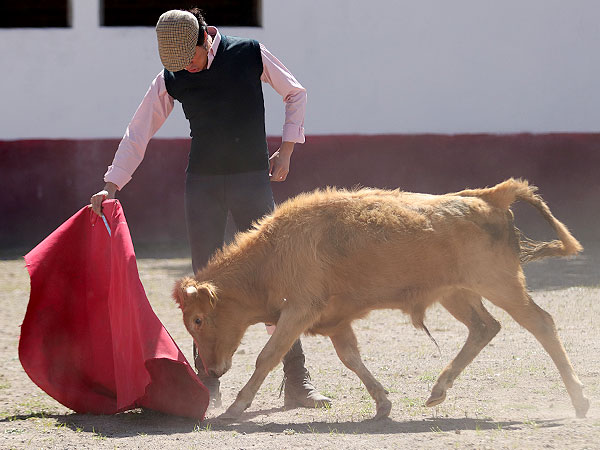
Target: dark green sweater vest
(225, 107)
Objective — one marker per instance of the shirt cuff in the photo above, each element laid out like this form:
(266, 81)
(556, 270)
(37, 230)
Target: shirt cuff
(118, 176)
(293, 133)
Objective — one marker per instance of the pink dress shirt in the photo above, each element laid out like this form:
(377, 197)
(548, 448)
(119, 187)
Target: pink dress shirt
(158, 104)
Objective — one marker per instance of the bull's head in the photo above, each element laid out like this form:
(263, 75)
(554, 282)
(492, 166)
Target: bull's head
(216, 335)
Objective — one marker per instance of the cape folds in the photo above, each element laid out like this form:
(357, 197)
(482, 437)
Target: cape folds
(90, 338)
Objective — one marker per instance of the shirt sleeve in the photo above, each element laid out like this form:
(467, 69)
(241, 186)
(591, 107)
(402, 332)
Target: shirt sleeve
(148, 118)
(292, 92)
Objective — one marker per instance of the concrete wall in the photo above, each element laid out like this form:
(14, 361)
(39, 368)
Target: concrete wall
(428, 95)
(385, 66)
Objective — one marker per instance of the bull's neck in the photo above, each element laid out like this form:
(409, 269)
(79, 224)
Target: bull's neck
(237, 274)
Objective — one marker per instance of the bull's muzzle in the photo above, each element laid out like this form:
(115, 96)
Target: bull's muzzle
(219, 370)
(213, 373)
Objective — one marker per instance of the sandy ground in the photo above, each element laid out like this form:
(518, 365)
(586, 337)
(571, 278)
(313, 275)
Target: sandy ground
(511, 396)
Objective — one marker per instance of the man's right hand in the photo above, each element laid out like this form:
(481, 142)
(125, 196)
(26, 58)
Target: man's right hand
(108, 192)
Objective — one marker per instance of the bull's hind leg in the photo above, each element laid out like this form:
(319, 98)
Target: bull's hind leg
(466, 306)
(346, 347)
(517, 302)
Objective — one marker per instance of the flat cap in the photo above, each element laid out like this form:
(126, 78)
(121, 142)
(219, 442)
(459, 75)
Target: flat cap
(177, 35)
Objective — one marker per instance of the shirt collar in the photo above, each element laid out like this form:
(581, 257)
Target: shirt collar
(216, 38)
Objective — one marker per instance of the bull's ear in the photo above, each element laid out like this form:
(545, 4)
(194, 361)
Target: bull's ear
(185, 289)
(209, 290)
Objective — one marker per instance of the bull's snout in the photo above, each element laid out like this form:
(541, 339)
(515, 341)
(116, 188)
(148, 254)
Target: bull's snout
(213, 373)
(219, 370)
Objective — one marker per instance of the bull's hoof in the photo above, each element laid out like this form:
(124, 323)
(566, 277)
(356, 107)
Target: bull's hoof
(582, 409)
(383, 410)
(233, 412)
(435, 398)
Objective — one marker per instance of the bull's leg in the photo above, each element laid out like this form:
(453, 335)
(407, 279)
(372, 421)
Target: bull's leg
(529, 315)
(289, 327)
(466, 306)
(346, 348)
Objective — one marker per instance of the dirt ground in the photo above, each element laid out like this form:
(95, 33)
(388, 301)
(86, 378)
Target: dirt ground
(511, 396)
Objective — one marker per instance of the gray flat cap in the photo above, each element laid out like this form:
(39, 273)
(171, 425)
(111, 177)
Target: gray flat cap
(177, 35)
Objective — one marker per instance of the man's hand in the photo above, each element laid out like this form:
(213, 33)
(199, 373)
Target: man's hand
(279, 162)
(108, 192)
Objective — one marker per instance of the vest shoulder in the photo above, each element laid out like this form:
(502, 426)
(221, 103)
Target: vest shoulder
(168, 75)
(234, 42)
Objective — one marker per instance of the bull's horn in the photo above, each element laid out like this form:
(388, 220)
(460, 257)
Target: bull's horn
(191, 290)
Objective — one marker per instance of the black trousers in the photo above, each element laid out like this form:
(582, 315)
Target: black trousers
(209, 199)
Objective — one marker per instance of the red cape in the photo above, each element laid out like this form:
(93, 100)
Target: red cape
(90, 338)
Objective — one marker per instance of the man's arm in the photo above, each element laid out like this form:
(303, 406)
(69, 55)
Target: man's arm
(148, 118)
(294, 96)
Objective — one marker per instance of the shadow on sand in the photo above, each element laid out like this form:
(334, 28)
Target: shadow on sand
(144, 422)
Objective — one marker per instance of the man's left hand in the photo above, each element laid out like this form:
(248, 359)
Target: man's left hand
(279, 162)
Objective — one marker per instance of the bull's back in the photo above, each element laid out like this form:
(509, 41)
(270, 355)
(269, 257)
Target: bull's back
(372, 237)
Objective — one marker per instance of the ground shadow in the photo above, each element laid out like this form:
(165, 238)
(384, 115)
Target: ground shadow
(385, 426)
(130, 423)
(145, 422)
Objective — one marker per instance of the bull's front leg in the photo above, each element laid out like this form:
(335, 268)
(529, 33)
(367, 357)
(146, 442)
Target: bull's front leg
(289, 327)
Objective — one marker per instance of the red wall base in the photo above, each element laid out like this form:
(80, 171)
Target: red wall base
(46, 181)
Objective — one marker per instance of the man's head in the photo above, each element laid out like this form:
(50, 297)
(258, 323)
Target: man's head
(179, 33)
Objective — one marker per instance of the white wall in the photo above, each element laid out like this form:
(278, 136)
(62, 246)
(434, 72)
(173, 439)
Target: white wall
(382, 66)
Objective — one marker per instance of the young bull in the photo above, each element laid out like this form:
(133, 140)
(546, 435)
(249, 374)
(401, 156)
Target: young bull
(325, 259)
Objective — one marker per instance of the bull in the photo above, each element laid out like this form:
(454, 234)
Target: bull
(326, 258)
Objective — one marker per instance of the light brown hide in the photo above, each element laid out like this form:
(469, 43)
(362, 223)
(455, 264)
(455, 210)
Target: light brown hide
(327, 258)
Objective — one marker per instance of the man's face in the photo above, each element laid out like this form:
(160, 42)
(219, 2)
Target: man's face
(199, 61)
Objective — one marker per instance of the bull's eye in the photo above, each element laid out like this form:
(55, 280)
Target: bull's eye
(198, 321)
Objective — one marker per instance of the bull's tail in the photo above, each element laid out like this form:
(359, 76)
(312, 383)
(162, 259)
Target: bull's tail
(504, 194)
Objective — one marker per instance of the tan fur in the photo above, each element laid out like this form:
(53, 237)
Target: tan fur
(326, 258)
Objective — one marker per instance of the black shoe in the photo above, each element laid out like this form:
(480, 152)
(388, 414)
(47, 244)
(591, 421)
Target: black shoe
(298, 389)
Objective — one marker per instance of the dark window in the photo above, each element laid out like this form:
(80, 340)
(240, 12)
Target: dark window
(34, 14)
(145, 13)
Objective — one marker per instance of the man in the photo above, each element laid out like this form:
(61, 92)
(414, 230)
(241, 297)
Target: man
(217, 79)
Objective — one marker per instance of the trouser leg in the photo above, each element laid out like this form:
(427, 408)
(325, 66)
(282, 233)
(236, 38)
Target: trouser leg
(206, 216)
(208, 199)
(250, 197)
(211, 383)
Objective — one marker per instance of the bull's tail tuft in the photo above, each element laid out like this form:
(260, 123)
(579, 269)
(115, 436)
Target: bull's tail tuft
(531, 250)
(504, 194)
